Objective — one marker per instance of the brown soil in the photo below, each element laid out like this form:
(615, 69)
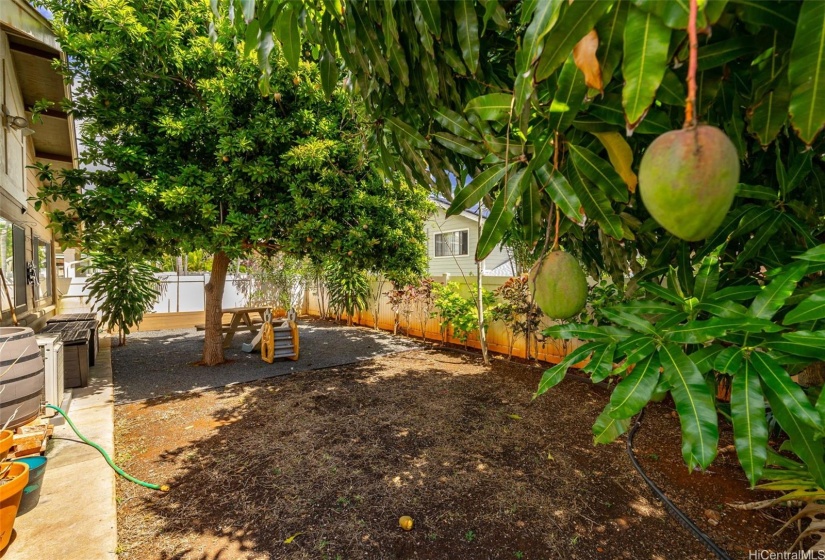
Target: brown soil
(322, 464)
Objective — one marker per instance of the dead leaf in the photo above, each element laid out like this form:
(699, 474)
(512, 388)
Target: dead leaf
(292, 538)
(621, 156)
(514, 416)
(584, 55)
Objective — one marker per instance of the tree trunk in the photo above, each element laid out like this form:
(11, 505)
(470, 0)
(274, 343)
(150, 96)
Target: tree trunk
(482, 333)
(213, 337)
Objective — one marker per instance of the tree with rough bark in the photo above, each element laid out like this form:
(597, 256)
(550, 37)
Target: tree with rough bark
(181, 152)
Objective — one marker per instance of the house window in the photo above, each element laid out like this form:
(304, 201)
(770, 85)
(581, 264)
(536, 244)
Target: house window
(6, 260)
(452, 243)
(43, 258)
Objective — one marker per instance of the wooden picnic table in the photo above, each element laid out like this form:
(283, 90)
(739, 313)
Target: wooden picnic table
(241, 320)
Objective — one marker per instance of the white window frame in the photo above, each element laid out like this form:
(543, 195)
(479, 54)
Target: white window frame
(452, 255)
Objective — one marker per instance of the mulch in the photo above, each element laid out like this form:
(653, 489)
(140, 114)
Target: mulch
(321, 465)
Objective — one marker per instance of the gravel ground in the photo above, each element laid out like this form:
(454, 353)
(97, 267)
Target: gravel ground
(158, 363)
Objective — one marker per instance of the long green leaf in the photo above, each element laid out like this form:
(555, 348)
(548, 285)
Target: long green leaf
(750, 428)
(611, 38)
(555, 184)
(408, 133)
(704, 358)
(477, 189)
(806, 71)
(773, 296)
(491, 107)
(531, 214)
(601, 363)
(600, 172)
(628, 320)
(810, 309)
(816, 255)
(568, 98)
(595, 204)
(456, 124)
(502, 213)
(761, 238)
(608, 429)
(785, 389)
(576, 21)
(458, 145)
(569, 331)
(771, 111)
(369, 42)
(555, 374)
(695, 405)
(329, 72)
(722, 52)
(432, 15)
(467, 24)
(544, 18)
(646, 41)
(698, 332)
(634, 391)
(800, 343)
(707, 279)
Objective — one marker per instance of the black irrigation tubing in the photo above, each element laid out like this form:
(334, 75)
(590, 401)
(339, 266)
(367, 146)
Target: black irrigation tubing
(674, 511)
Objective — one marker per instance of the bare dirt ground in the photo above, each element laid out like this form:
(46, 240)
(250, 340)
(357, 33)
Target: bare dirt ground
(321, 464)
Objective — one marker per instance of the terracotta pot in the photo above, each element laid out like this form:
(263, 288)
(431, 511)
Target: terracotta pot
(10, 494)
(6, 440)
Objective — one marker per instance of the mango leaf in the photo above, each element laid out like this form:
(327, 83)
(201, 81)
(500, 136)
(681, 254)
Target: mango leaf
(728, 360)
(737, 293)
(628, 320)
(456, 124)
(756, 191)
(502, 213)
(544, 18)
(329, 72)
(634, 391)
(781, 16)
(398, 62)
(467, 32)
(611, 37)
(641, 349)
(601, 363)
(806, 72)
(800, 343)
(575, 21)
(595, 204)
(704, 358)
(407, 133)
(474, 191)
(785, 389)
(555, 374)
(431, 14)
(817, 254)
(610, 110)
(727, 309)
(811, 308)
(695, 405)
(646, 41)
(568, 97)
(457, 145)
(368, 41)
(722, 52)
(761, 238)
(773, 296)
(698, 332)
(531, 214)
(607, 429)
(707, 279)
(491, 107)
(750, 428)
(621, 156)
(599, 171)
(569, 331)
(672, 90)
(771, 112)
(584, 55)
(560, 191)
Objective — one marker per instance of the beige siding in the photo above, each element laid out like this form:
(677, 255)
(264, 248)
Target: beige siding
(456, 266)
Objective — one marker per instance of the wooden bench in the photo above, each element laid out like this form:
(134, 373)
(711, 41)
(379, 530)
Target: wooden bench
(241, 321)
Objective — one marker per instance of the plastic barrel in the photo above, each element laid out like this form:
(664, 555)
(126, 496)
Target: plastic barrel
(31, 493)
(21, 376)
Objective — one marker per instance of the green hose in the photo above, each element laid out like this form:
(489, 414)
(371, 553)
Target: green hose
(118, 470)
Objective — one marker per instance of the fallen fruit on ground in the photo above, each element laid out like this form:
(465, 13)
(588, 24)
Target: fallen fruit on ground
(406, 522)
(559, 285)
(687, 180)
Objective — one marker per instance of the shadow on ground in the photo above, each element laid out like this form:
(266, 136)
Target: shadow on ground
(158, 363)
(322, 464)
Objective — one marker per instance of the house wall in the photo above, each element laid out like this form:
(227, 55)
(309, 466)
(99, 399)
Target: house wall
(456, 266)
(17, 185)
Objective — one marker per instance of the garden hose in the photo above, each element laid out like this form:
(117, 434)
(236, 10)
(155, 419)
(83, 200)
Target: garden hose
(674, 511)
(118, 470)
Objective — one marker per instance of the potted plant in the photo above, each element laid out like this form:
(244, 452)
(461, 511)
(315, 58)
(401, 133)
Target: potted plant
(13, 478)
(6, 440)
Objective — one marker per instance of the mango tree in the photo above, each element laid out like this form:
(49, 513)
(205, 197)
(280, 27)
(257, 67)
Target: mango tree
(549, 107)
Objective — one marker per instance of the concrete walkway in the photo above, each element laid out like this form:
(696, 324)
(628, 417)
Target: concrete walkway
(76, 516)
